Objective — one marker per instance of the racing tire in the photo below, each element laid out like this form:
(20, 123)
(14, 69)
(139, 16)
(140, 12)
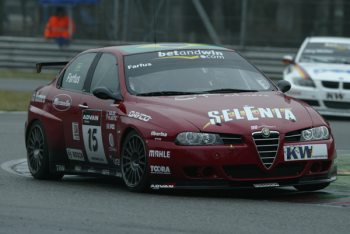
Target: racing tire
(38, 154)
(311, 187)
(134, 163)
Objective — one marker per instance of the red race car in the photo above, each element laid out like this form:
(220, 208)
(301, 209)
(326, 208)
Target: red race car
(166, 116)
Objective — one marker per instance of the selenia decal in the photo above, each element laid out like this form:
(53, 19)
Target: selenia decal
(305, 152)
(93, 136)
(249, 113)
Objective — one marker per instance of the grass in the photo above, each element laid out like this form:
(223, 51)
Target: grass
(27, 74)
(14, 100)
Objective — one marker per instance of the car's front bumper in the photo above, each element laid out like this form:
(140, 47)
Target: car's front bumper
(228, 166)
(326, 101)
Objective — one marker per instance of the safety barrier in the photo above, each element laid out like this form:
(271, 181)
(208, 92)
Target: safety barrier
(24, 53)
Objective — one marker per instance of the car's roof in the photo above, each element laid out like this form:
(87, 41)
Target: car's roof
(329, 39)
(144, 48)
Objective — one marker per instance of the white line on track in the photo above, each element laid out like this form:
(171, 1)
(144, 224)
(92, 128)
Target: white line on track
(17, 167)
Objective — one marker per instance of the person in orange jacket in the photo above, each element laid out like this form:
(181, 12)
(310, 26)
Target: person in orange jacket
(60, 27)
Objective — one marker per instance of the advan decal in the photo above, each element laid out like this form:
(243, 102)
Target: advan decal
(92, 135)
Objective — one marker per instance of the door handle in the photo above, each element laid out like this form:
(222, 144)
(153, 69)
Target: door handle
(83, 106)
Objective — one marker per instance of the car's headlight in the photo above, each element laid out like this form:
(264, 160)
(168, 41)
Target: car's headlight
(319, 133)
(196, 138)
(304, 82)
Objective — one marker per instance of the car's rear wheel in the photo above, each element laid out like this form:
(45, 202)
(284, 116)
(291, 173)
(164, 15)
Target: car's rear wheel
(38, 153)
(134, 162)
(311, 187)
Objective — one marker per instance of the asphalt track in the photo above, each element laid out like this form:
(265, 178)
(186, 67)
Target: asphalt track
(99, 205)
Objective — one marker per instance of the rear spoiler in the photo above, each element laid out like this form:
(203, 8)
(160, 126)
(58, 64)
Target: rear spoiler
(49, 64)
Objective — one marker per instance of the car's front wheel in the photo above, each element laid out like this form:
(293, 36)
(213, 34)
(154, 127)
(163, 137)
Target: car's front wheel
(134, 162)
(38, 153)
(311, 187)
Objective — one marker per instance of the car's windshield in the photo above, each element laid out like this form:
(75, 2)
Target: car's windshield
(326, 52)
(181, 72)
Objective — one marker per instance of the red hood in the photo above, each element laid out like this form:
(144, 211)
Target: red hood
(225, 113)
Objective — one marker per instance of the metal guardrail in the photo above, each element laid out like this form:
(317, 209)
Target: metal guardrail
(24, 53)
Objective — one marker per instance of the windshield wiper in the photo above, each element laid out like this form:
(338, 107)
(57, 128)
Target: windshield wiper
(230, 91)
(167, 93)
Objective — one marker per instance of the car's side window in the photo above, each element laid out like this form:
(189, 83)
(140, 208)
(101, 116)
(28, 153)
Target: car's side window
(75, 75)
(106, 74)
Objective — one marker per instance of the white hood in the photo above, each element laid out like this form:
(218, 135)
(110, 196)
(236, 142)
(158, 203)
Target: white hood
(329, 72)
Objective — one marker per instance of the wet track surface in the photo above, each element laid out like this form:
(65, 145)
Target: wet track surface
(95, 205)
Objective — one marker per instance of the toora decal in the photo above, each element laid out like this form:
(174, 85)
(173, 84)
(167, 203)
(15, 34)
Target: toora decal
(163, 170)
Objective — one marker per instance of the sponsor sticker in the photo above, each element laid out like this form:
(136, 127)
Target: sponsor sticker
(159, 154)
(191, 54)
(60, 168)
(111, 116)
(249, 113)
(105, 172)
(305, 152)
(266, 185)
(75, 131)
(92, 136)
(110, 126)
(62, 102)
(73, 78)
(75, 154)
(140, 116)
(162, 186)
(163, 170)
(140, 65)
(159, 134)
(39, 98)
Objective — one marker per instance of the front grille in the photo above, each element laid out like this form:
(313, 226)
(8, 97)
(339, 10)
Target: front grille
(231, 138)
(346, 85)
(337, 105)
(252, 171)
(330, 84)
(311, 102)
(293, 136)
(267, 147)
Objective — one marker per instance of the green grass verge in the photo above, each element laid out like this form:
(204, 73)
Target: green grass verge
(14, 100)
(26, 74)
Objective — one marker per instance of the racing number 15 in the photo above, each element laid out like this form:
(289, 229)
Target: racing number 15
(93, 145)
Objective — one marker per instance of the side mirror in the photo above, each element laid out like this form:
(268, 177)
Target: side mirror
(288, 59)
(105, 94)
(284, 85)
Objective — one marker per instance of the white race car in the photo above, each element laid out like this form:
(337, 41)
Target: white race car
(320, 74)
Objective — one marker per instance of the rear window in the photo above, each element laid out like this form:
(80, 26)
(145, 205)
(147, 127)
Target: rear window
(194, 71)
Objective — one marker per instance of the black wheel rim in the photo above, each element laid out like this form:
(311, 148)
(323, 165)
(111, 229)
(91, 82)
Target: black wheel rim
(35, 149)
(134, 161)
